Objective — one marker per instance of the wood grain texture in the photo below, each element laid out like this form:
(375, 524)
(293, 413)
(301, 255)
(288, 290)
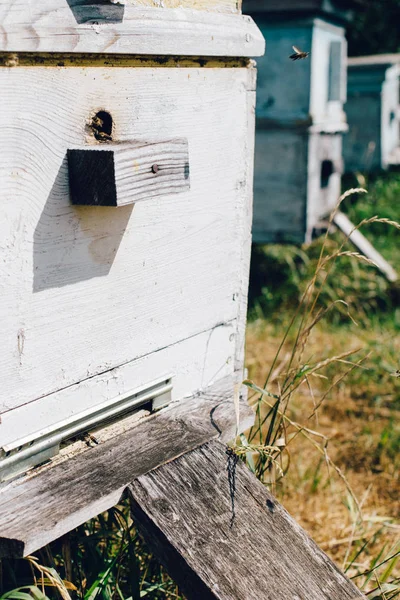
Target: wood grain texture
(193, 365)
(50, 502)
(93, 290)
(184, 511)
(56, 26)
(222, 6)
(119, 175)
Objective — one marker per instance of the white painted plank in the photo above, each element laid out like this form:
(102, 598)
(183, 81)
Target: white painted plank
(84, 290)
(194, 365)
(364, 246)
(52, 26)
(327, 115)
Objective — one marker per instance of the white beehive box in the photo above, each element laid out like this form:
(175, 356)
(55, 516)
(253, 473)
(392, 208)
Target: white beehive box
(300, 116)
(126, 194)
(373, 113)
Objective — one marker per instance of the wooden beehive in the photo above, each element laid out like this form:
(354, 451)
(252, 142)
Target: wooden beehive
(126, 194)
(373, 113)
(300, 116)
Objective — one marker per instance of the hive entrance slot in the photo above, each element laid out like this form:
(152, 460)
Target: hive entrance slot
(326, 171)
(21, 455)
(102, 126)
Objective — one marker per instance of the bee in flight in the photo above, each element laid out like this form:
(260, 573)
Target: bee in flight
(298, 54)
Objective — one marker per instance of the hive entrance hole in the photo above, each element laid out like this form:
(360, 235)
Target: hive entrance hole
(326, 172)
(102, 125)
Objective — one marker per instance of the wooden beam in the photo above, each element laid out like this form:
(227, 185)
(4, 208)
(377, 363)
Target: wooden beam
(122, 174)
(51, 501)
(54, 26)
(184, 512)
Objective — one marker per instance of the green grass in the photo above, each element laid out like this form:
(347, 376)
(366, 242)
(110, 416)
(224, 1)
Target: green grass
(104, 559)
(384, 199)
(322, 300)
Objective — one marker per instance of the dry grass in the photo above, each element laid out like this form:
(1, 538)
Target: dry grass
(326, 438)
(357, 418)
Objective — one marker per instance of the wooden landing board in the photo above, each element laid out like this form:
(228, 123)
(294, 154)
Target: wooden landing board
(53, 500)
(184, 511)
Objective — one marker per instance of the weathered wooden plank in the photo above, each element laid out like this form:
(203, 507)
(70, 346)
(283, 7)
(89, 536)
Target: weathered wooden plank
(118, 175)
(137, 281)
(53, 500)
(55, 26)
(184, 511)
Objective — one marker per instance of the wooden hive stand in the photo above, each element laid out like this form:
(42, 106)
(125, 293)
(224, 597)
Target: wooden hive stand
(217, 540)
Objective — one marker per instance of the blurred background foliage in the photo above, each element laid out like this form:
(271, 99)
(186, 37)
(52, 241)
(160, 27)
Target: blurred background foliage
(279, 273)
(375, 29)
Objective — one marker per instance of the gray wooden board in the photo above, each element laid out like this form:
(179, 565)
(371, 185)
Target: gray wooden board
(184, 511)
(39, 508)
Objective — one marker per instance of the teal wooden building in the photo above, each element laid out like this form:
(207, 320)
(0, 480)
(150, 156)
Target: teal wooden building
(373, 113)
(300, 116)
